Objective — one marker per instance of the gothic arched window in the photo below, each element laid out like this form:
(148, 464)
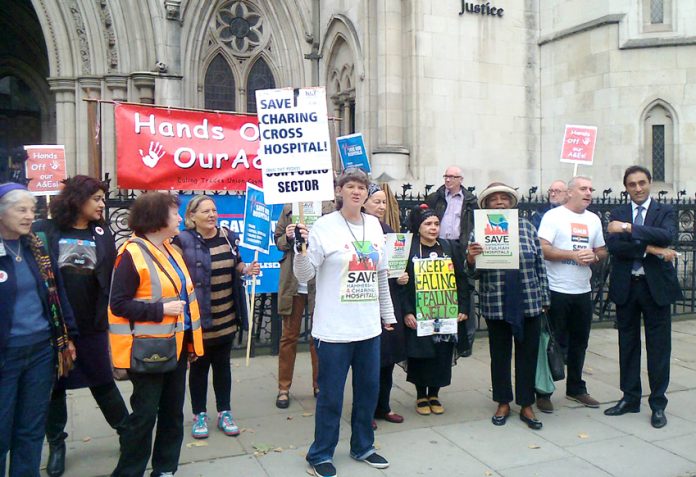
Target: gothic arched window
(219, 85)
(659, 143)
(260, 77)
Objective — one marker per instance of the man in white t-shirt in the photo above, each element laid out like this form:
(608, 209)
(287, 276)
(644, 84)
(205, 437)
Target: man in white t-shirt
(572, 240)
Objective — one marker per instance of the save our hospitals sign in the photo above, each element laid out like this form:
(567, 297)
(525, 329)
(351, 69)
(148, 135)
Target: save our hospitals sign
(173, 149)
(294, 145)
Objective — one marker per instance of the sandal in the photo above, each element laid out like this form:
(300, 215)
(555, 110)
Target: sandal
(423, 407)
(283, 400)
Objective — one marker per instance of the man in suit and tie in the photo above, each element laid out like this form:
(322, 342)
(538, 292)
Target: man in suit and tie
(643, 284)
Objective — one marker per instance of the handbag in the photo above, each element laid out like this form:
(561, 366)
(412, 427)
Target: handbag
(543, 382)
(153, 355)
(553, 351)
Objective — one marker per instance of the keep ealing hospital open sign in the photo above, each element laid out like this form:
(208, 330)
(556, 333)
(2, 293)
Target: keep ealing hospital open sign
(174, 149)
(295, 150)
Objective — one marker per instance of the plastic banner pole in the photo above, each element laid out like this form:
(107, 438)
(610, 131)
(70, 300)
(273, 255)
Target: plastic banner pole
(251, 311)
(575, 169)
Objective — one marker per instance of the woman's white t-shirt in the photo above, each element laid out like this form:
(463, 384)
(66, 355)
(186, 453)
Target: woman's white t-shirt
(347, 295)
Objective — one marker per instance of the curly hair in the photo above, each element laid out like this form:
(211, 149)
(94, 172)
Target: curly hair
(66, 207)
(150, 212)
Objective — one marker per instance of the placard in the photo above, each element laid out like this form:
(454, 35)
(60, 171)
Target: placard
(436, 296)
(497, 230)
(257, 221)
(45, 169)
(352, 151)
(312, 212)
(579, 144)
(231, 214)
(294, 145)
(173, 149)
(397, 249)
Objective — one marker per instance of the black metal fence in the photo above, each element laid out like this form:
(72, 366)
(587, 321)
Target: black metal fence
(267, 324)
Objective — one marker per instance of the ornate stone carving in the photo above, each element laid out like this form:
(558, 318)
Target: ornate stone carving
(173, 9)
(52, 33)
(239, 26)
(109, 35)
(82, 37)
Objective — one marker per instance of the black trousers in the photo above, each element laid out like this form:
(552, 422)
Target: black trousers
(571, 319)
(157, 398)
(385, 386)
(108, 399)
(217, 357)
(658, 345)
(500, 339)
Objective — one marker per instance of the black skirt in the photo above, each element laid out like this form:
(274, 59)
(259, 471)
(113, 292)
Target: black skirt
(93, 363)
(436, 371)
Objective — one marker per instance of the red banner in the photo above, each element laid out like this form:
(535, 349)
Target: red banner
(45, 169)
(579, 144)
(172, 149)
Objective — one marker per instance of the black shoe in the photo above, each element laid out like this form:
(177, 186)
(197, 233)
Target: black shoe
(531, 423)
(658, 418)
(622, 407)
(499, 420)
(56, 459)
(325, 469)
(377, 461)
(283, 400)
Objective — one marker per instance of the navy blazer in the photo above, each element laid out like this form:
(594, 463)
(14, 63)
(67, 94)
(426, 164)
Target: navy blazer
(659, 229)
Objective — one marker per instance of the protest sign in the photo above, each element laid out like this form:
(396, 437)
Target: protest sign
(294, 145)
(257, 221)
(359, 280)
(497, 230)
(396, 250)
(230, 215)
(45, 169)
(579, 144)
(352, 150)
(173, 149)
(311, 211)
(436, 296)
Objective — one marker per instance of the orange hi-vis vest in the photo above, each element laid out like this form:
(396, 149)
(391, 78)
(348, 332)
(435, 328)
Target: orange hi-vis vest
(155, 287)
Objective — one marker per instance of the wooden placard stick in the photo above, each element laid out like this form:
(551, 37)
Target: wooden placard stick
(251, 311)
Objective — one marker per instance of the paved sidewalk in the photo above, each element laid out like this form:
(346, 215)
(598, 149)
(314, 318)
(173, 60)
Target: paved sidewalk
(575, 441)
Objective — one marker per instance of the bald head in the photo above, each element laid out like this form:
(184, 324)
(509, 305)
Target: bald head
(453, 179)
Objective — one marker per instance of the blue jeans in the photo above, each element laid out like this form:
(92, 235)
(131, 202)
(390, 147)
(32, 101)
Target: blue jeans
(26, 378)
(334, 361)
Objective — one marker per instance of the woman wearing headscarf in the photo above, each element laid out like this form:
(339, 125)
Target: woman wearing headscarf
(345, 252)
(512, 302)
(86, 253)
(392, 345)
(35, 319)
(430, 358)
(212, 256)
(154, 327)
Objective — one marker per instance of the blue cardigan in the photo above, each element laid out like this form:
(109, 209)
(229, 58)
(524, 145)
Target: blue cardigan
(8, 293)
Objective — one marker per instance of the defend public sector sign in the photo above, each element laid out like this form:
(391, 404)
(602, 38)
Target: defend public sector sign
(172, 149)
(295, 150)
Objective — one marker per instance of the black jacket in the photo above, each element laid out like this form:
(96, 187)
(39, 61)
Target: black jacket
(438, 203)
(659, 229)
(106, 256)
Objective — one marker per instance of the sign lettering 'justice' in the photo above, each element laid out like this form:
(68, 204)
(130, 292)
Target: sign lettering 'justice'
(481, 9)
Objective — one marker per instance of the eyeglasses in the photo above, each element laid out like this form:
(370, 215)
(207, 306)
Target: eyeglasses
(451, 177)
(556, 191)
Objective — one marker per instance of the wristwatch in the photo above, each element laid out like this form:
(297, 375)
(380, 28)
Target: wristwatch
(624, 227)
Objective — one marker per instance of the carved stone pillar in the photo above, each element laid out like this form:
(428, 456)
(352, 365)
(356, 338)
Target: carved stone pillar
(145, 85)
(390, 154)
(64, 90)
(116, 90)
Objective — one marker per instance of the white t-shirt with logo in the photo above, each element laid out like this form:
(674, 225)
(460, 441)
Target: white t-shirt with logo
(347, 296)
(567, 230)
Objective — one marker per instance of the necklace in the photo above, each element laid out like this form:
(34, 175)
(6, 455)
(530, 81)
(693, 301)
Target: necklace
(17, 254)
(361, 257)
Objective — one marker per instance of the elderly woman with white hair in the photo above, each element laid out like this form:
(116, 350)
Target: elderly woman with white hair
(512, 302)
(34, 343)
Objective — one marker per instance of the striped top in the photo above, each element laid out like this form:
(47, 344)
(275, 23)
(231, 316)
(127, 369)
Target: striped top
(222, 307)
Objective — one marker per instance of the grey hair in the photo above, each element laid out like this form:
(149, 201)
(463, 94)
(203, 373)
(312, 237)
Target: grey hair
(571, 183)
(192, 207)
(14, 196)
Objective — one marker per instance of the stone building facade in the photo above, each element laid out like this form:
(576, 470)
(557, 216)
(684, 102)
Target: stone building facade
(485, 85)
